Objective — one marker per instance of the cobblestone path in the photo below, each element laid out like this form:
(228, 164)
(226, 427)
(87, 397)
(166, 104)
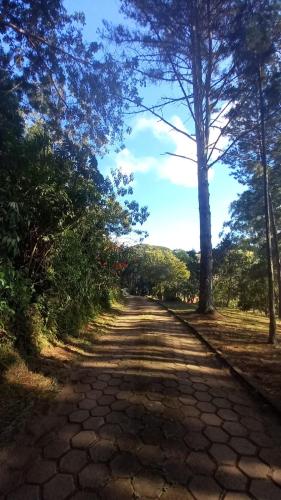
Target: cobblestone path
(149, 414)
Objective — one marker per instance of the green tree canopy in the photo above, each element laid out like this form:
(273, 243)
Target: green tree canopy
(155, 270)
(71, 85)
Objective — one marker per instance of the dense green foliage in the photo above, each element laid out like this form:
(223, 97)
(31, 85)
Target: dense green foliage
(191, 259)
(254, 125)
(59, 216)
(154, 270)
(239, 276)
(72, 85)
(55, 238)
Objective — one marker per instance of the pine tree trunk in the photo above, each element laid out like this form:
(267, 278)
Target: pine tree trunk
(277, 254)
(271, 301)
(206, 257)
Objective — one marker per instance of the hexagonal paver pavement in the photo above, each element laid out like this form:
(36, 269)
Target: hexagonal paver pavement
(149, 414)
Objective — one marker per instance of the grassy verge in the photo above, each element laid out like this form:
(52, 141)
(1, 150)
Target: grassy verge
(242, 338)
(29, 382)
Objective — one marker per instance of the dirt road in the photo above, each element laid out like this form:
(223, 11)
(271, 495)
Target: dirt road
(150, 413)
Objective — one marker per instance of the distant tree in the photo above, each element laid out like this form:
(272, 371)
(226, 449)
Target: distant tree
(239, 277)
(192, 262)
(247, 221)
(155, 270)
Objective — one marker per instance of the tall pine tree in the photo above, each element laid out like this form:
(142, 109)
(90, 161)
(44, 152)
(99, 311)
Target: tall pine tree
(254, 43)
(183, 43)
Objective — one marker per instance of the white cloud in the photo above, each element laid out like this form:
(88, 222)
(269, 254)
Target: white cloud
(127, 162)
(180, 171)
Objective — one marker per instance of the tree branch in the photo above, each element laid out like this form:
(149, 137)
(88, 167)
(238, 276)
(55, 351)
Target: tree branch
(40, 39)
(157, 115)
(180, 156)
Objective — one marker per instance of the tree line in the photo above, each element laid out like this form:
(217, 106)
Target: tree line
(160, 272)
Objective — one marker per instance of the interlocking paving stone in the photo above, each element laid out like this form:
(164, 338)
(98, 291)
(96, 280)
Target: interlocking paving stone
(128, 442)
(205, 488)
(206, 407)
(227, 414)
(87, 404)
(41, 471)
(59, 487)
(110, 391)
(124, 465)
(263, 489)
(94, 394)
(254, 468)
(221, 403)
(27, 491)
(104, 376)
(271, 456)
(149, 414)
(231, 478)
(73, 461)
(78, 416)
(202, 396)
(176, 472)
(243, 446)
(223, 454)
(9, 479)
(93, 423)
(201, 463)
(196, 441)
(85, 495)
(276, 476)
(108, 431)
(237, 496)
(120, 405)
(261, 439)
(148, 485)
(68, 431)
(94, 476)
(176, 492)
(82, 388)
(151, 455)
(102, 451)
(252, 424)
(193, 424)
(100, 411)
(56, 449)
(216, 434)
(211, 419)
(84, 439)
(20, 456)
(118, 488)
(235, 429)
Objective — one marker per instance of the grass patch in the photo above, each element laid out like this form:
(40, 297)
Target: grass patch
(243, 338)
(30, 382)
(180, 307)
(20, 389)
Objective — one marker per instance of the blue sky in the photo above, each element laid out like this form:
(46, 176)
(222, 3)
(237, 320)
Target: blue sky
(167, 185)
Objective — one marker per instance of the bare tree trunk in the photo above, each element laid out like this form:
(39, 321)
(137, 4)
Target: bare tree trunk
(271, 301)
(206, 257)
(276, 252)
